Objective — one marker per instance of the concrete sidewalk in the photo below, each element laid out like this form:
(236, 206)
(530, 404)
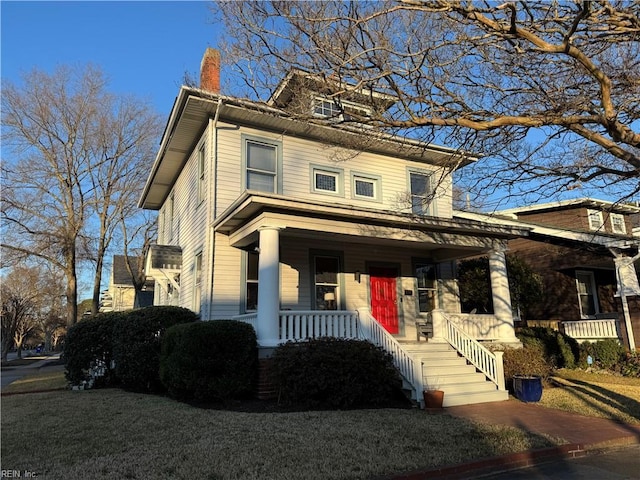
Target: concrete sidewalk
(583, 434)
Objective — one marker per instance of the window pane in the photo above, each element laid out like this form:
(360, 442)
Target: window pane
(252, 296)
(426, 275)
(326, 297)
(252, 266)
(327, 270)
(326, 182)
(365, 188)
(261, 157)
(419, 184)
(263, 182)
(427, 300)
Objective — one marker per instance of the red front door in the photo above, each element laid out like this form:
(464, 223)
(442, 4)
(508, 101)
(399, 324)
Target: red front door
(384, 298)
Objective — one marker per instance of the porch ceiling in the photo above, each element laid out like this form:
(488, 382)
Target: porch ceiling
(445, 237)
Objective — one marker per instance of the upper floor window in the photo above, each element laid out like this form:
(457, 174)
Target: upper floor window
(263, 164)
(344, 111)
(327, 180)
(617, 223)
(421, 193)
(595, 219)
(201, 177)
(365, 187)
(170, 214)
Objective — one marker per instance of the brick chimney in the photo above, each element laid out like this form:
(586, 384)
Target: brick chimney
(210, 71)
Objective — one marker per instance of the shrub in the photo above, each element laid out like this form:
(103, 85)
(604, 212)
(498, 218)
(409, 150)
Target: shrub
(528, 360)
(606, 354)
(630, 365)
(137, 344)
(559, 349)
(334, 373)
(88, 342)
(215, 360)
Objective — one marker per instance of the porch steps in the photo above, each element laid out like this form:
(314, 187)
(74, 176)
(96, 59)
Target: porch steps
(443, 369)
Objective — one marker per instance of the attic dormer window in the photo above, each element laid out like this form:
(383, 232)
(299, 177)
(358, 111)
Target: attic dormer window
(342, 111)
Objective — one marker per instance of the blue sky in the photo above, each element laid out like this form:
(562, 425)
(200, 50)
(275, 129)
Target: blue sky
(144, 48)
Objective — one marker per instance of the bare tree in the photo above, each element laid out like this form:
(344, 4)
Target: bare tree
(19, 291)
(76, 155)
(549, 92)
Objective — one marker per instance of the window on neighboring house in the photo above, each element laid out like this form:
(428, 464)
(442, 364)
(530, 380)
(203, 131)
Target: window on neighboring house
(366, 187)
(595, 219)
(262, 165)
(201, 177)
(326, 282)
(197, 282)
(587, 294)
(617, 223)
(427, 293)
(421, 193)
(251, 301)
(327, 180)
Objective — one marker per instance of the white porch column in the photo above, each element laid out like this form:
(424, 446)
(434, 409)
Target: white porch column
(269, 287)
(500, 292)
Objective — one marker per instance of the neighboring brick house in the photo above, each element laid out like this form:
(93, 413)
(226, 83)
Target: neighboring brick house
(577, 246)
(320, 226)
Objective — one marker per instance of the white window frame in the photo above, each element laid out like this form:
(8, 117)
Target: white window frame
(201, 175)
(277, 174)
(331, 287)
(596, 221)
(427, 209)
(336, 173)
(375, 180)
(591, 290)
(329, 108)
(618, 219)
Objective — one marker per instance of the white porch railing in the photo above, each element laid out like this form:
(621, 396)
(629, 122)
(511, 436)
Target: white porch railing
(410, 369)
(477, 325)
(488, 362)
(592, 329)
(302, 325)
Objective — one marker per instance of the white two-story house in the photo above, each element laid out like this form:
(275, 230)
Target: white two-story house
(318, 226)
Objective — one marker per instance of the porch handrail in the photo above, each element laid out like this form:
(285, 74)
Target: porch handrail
(410, 369)
(488, 362)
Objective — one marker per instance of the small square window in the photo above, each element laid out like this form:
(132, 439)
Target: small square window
(365, 186)
(327, 180)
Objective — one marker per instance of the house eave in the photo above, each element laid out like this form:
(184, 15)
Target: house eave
(193, 108)
(250, 204)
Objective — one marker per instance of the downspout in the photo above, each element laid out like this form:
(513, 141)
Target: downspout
(623, 295)
(213, 148)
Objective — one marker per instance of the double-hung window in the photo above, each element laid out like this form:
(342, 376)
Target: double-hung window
(263, 164)
(326, 278)
(427, 286)
(421, 193)
(251, 282)
(587, 294)
(595, 219)
(197, 282)
(201, 177)
(617, 223)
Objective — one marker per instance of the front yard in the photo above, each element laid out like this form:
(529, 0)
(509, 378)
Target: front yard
(102, 434)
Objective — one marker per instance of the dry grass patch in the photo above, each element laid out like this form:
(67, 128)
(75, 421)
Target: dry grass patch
(595, 395)
(104, 434)
(40, 381)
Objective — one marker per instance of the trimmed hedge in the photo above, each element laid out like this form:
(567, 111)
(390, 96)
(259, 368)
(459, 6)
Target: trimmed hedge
(209, 361)
(88, 341)
(137, 345)
(332, 373)
(560, 350)
(528, 360)
(606, 354)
